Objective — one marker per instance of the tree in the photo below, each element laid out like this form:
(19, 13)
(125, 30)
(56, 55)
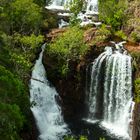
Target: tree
(11, 122)
(75, 7)
(14, 104)
(112, 12)
(40, 2)
(23, 16)
(68, 47)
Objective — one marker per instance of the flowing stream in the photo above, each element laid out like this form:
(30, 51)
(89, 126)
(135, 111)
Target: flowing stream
(91, 5)
(44, 107)
(109, 90)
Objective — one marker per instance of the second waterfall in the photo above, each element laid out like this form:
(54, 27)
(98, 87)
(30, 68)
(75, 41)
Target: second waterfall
(109, 90)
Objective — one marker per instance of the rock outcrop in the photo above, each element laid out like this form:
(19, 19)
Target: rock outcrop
(72, 88)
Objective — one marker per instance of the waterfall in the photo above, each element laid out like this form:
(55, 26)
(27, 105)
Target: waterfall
(44, 107)
(58, 5)
(109, 90)
(92, 7)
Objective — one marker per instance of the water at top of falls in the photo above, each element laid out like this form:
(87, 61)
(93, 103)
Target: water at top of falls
(110, 90)
(60, 5)
(92, 7)
(44, 107)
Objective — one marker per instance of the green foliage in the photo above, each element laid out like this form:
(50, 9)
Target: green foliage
(137, 90)
(27, 18)
(112, 12)
(11, 121)
(50, 21)
(69, 138)
(23, 51)
(20, 15)
(31, 41)
(135, 36)
(75, 7)
(41, 2)
(21, 62)
(68, 47)
(14, 103)
(102, 34)
(83, 138)
(102, 139)
(11, 89)
(73, 138)
(24, 16)
(121, 34)
(80, 138)
(135, 62)
(21, 23)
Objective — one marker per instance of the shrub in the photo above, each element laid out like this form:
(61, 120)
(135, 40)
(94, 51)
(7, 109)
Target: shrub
(135, 36)
(14, 104)
(102, 34)
(73, 138)
(68, 47)
(136, 60)
(22, 51)
(112, 12)
(75, 7)
(11, 122)
(12, 89)
(121, 34)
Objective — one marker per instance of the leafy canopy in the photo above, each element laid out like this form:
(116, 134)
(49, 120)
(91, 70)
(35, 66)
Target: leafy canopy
(67, 47)
(112, 12)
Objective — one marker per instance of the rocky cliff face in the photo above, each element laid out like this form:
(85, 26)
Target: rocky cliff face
(72, 88)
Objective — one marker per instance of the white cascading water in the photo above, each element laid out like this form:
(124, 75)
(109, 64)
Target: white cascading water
(58, 5)
(109, 90)
(44, 107)
(91, 6)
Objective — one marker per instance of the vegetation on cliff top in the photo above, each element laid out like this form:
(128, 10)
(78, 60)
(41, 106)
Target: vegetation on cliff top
(67, 47)
(113, 12)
